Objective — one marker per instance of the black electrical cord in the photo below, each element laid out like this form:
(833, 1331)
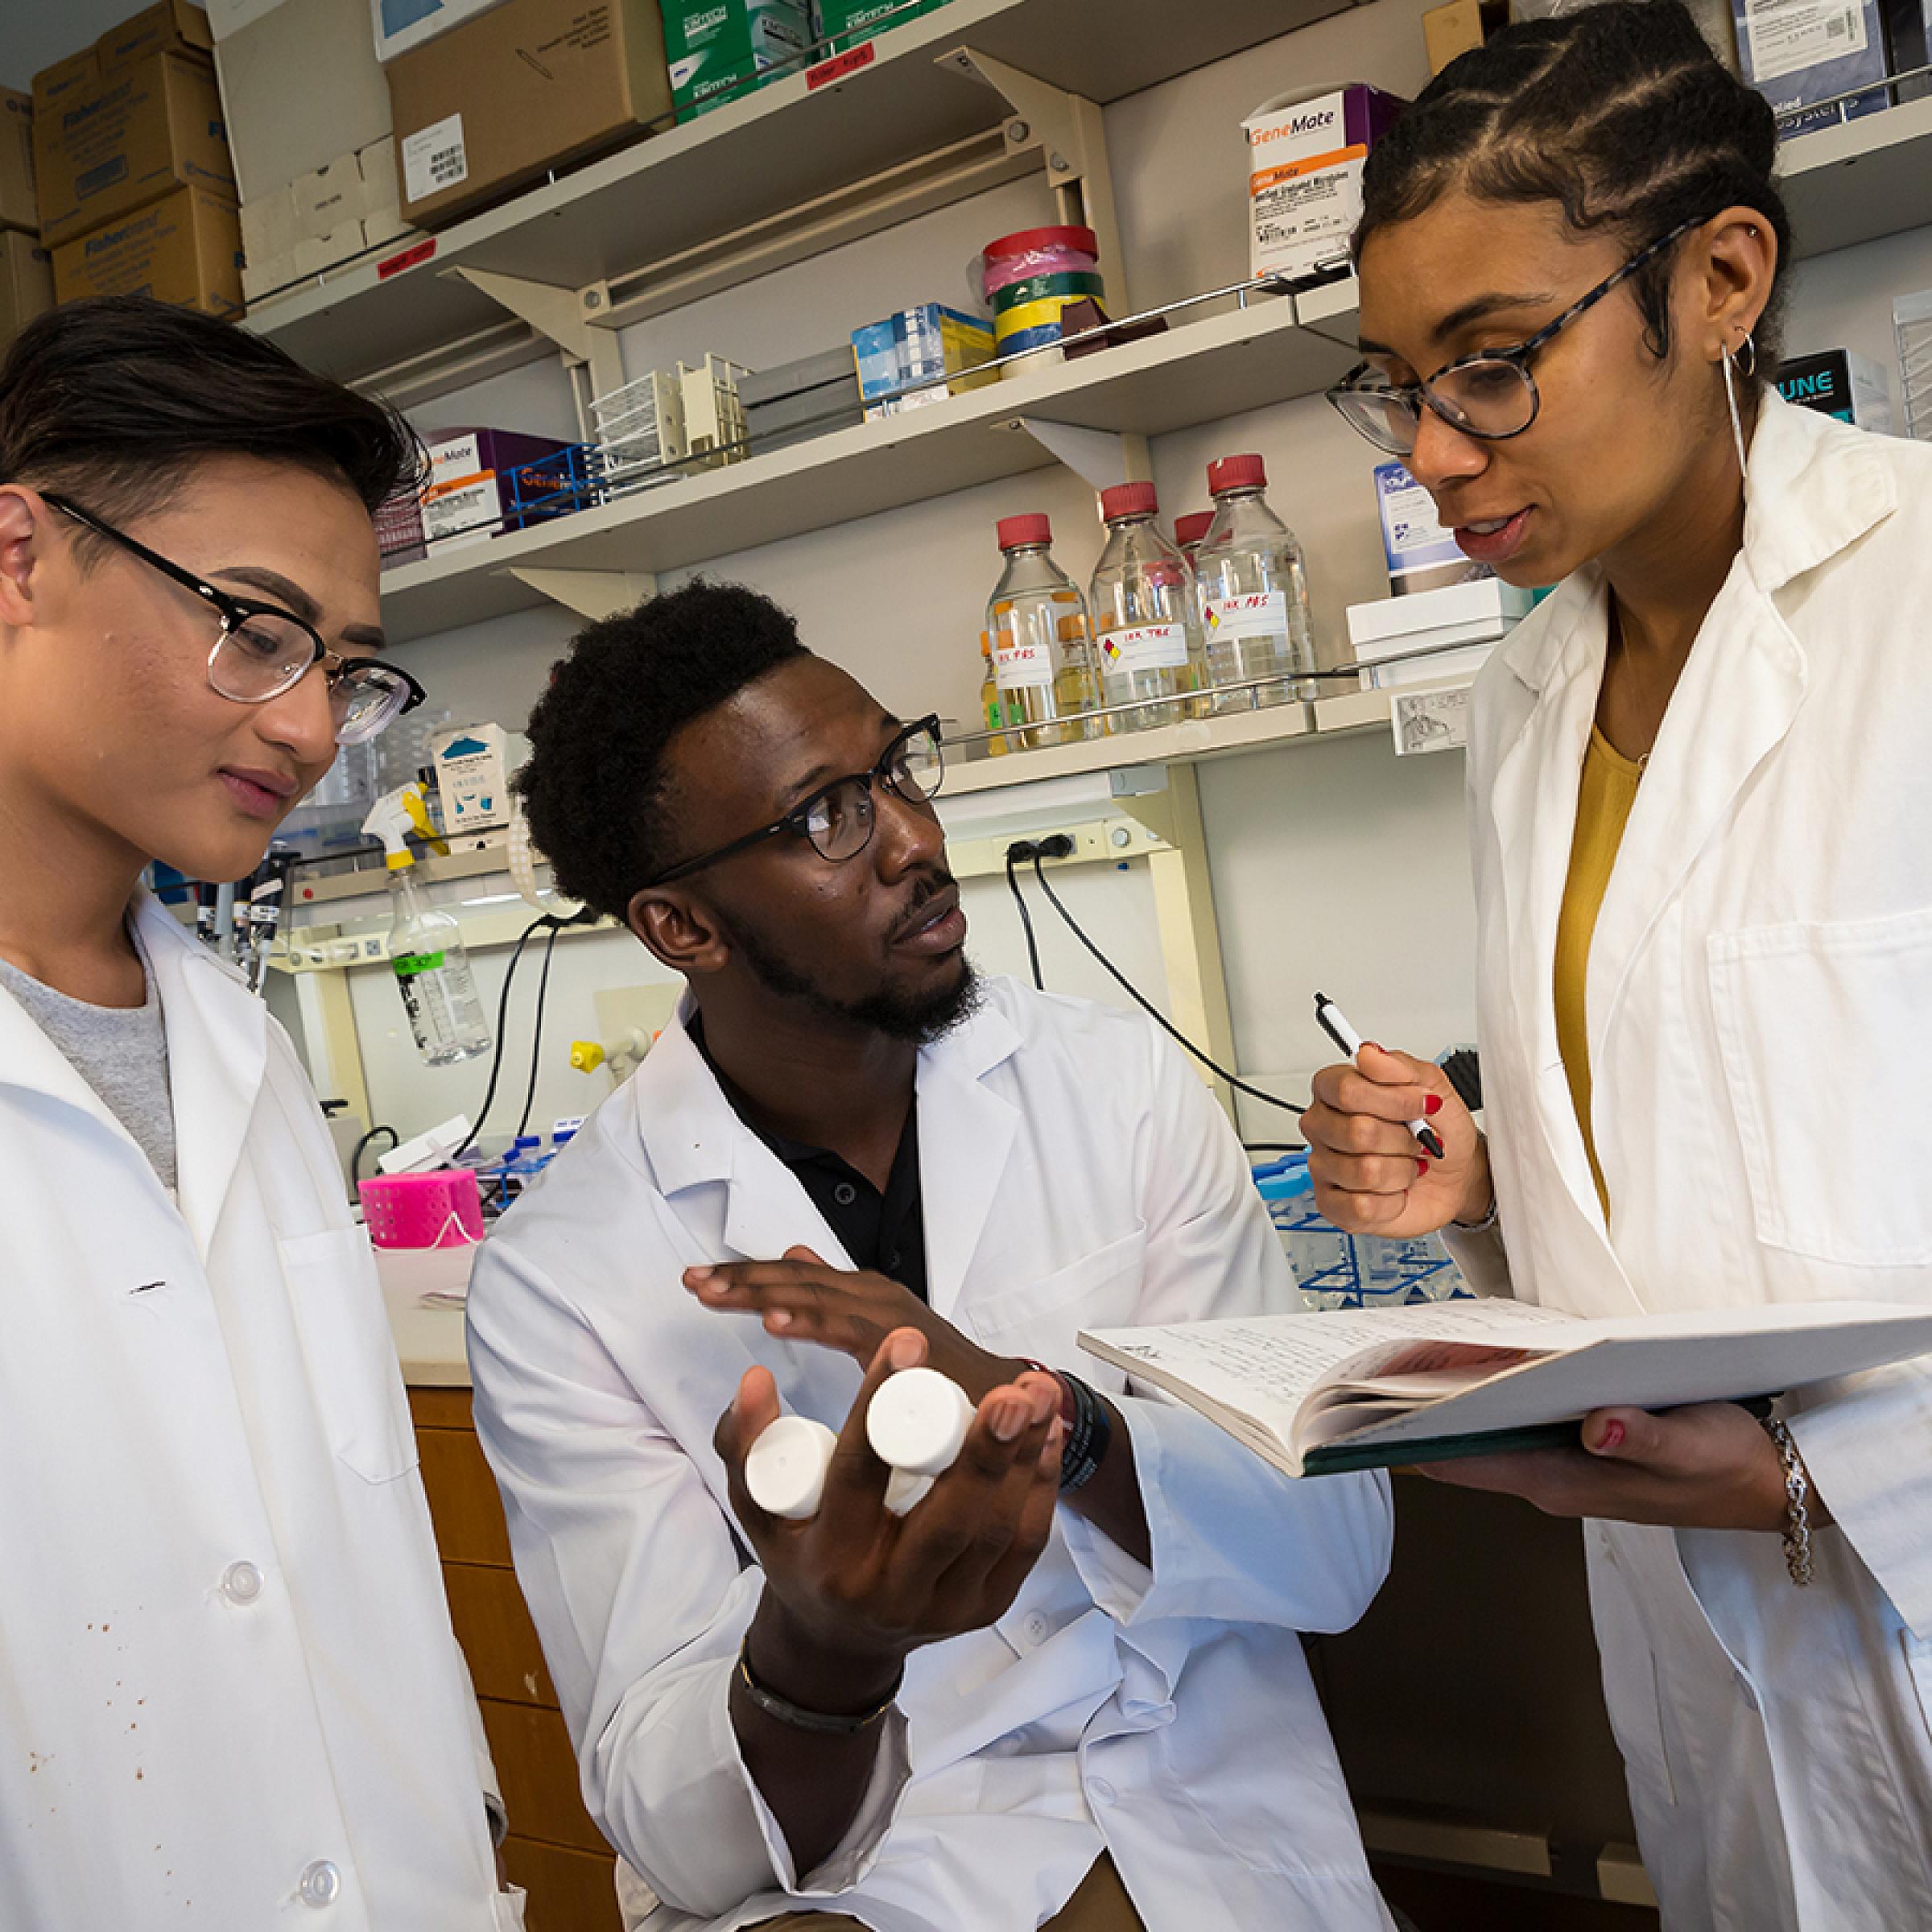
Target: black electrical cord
(496, 1059)
(355, 1160)
(1062, 846)
(1013, 853)
(536, 1029)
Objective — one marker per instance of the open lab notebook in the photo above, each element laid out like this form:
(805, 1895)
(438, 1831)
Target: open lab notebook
(1318, 1394)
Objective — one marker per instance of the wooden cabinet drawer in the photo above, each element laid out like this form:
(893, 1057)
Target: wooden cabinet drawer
(463, 1504)
(505, 1660)
(538, 1771)
(569, 1891)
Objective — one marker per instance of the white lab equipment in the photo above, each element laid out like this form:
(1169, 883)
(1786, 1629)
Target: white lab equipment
(918, 1422)
(785, 1468)
(426, 951)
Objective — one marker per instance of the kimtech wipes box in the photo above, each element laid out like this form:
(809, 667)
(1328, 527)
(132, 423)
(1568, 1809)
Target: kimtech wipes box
(1305, 155)
(717, 48)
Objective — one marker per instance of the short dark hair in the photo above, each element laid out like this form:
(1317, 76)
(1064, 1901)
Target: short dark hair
(113, 399)
(1619, 112)
(594, 788)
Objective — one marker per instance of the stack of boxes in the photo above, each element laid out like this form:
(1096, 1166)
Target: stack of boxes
(134, 181)
(308, 117)
(26, 276)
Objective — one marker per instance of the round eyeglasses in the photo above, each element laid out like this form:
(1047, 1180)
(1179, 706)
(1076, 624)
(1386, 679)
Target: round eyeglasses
(262, 650)
(838, 819)
(1491, 395)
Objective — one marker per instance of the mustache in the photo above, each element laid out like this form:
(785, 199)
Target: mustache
(924, 891)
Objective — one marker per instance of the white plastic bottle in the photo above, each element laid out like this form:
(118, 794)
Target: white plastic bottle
(1041, 653)
(1143, 605)
(1253, 592)
(426, 951)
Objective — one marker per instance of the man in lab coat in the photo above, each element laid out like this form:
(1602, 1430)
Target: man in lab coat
(230, 1696)
(846, 1156)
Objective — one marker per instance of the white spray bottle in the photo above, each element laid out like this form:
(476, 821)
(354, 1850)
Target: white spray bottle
(425, 946)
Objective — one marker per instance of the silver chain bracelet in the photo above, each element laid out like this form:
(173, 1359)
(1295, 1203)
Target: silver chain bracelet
(1798, 1487)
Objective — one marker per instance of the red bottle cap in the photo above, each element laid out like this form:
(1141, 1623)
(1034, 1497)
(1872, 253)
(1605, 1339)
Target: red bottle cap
(1130, 500)
(1013, 532)
(1191, 528)
(1236, 472)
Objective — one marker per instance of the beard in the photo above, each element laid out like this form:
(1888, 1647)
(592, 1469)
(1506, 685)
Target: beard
(921, 1019)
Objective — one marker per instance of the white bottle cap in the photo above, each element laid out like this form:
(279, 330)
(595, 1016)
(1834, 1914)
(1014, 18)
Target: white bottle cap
(905, 1492)
(785, 1470)
(918, 1422)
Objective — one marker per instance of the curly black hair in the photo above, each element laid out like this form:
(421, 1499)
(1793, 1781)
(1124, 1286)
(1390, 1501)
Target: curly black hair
(594, 788)
(1620, 113)
(113, 400)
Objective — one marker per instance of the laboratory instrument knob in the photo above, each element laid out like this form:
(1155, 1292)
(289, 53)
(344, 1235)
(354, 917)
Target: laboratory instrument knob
(918, 1422)
(785, 1469)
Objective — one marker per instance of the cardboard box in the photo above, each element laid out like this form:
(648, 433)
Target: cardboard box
(381, 191)
(1800, 52)
(330, 196)
(470, 777)
(492, 104)
(226, 17)
(19, 207)
(401, 25)
(1839, 383)
(715, 48)
(1450, 30)
(171, 26)
(26, 283)
(299, 86)
(133, 137)
(184, 249)
(1453, 619)
(1304, 174)
(269, 227)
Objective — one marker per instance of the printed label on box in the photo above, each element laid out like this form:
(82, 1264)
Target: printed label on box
(463, 512)
(1787, 35)
(1146, 647)
(433, 159)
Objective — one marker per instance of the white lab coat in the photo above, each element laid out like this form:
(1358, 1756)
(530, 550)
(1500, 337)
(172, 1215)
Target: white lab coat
(226, 1666)
(1760, 1020)
(1075, 1174)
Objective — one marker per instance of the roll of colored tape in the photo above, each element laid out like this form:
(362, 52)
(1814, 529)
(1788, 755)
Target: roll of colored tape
(1071, 282)
(1029, 338)
(1032, 315)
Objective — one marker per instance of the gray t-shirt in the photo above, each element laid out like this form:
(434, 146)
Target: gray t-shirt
(120, 1051)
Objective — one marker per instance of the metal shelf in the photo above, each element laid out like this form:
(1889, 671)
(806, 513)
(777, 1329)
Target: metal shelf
(1199, 373)
(1861, 180)
(767, 160)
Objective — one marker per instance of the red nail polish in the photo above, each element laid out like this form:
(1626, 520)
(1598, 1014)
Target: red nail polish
(1432, 1104)
(1613, 1436)
(1421, 1167)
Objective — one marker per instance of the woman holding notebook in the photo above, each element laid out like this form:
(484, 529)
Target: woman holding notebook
(1699, 790)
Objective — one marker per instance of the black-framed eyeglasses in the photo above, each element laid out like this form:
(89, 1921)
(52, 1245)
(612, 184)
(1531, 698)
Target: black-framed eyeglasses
(1490, 394)
(263, 651)
(837, 821)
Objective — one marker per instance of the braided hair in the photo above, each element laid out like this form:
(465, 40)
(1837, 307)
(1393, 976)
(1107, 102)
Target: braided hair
(1620, 113)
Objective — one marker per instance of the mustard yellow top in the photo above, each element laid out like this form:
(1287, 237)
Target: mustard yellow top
(1603, 800)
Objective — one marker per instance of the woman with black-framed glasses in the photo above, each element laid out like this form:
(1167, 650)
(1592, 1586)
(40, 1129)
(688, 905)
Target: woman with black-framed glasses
(1698, 788)
(208, 1504)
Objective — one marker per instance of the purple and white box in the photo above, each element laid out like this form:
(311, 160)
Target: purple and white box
(1305, 155)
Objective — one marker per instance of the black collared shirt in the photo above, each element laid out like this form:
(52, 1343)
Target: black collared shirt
(883, 1232)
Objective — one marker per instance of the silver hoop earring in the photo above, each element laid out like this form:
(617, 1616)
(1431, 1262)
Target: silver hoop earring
(1748, 347)
(1737, 428)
